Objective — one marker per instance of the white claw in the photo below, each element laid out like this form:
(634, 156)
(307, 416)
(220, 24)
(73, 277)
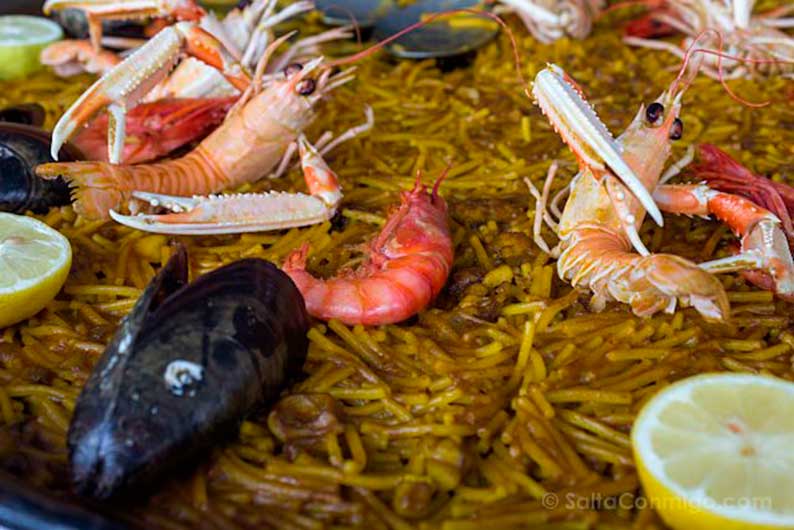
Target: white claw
(228, 214)
(584, 132)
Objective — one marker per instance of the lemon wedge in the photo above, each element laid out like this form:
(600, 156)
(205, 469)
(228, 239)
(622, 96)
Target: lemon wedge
(714, 452)
(34, 263)
(21, 40)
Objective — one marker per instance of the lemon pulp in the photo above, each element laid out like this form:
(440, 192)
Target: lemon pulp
(34, 264)
(714, 451)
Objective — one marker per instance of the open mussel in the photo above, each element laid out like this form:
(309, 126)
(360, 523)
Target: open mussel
(22, 148)
(184, 368)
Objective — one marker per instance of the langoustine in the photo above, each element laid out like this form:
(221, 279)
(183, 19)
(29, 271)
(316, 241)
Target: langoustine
(253, 141)
(406, 266)
(187, 364)
(609, 198)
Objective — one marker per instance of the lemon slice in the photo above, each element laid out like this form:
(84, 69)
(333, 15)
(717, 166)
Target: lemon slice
(714, 452)
(21, 40)
(34, 263)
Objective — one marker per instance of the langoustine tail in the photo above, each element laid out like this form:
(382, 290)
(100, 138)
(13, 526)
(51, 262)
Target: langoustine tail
(598, 257)
(95, 185)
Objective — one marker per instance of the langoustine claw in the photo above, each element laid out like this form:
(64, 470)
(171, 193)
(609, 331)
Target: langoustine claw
(185, 366)
(406, 266)
(756, 208)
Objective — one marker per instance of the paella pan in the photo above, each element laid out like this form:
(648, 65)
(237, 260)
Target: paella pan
(311, 265)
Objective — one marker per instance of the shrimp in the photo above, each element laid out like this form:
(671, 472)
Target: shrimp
(406, 266)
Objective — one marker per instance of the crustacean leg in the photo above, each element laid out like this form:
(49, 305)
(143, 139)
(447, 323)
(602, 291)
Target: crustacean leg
(123, 86)
(763, 244)
(72, 57)
(249, 212)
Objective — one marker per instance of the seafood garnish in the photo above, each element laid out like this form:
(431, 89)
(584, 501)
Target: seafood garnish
(184, 368)
(22, 148)
(582, 129)
(73, 57)
(406, 266)
(124, 85)
(98, 10)
(601, 217)
(757, 209)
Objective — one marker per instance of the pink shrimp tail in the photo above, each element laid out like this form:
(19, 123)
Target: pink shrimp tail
(723, 173)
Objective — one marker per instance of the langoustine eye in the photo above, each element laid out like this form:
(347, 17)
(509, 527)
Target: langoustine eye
(654, 113)
(677, 129)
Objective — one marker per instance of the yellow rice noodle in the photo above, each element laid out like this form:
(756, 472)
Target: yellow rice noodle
(508, 404)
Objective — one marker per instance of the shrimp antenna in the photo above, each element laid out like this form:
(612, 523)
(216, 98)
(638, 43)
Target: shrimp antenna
(441, 178)
(722, 55)
(427, 20)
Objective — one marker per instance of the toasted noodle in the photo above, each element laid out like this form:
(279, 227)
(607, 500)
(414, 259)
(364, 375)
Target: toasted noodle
(506, 389)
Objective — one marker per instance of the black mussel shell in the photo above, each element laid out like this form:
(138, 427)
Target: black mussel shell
(75, 24)
(185, 367)
(437, 39)
(24, 114)
(363, 12)
(23, 507)
(22, 148)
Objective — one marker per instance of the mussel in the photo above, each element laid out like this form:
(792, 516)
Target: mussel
(22, 148)
(75, 24)
(25, 114)
(440, 39)
(24, 507)
(184, 368)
